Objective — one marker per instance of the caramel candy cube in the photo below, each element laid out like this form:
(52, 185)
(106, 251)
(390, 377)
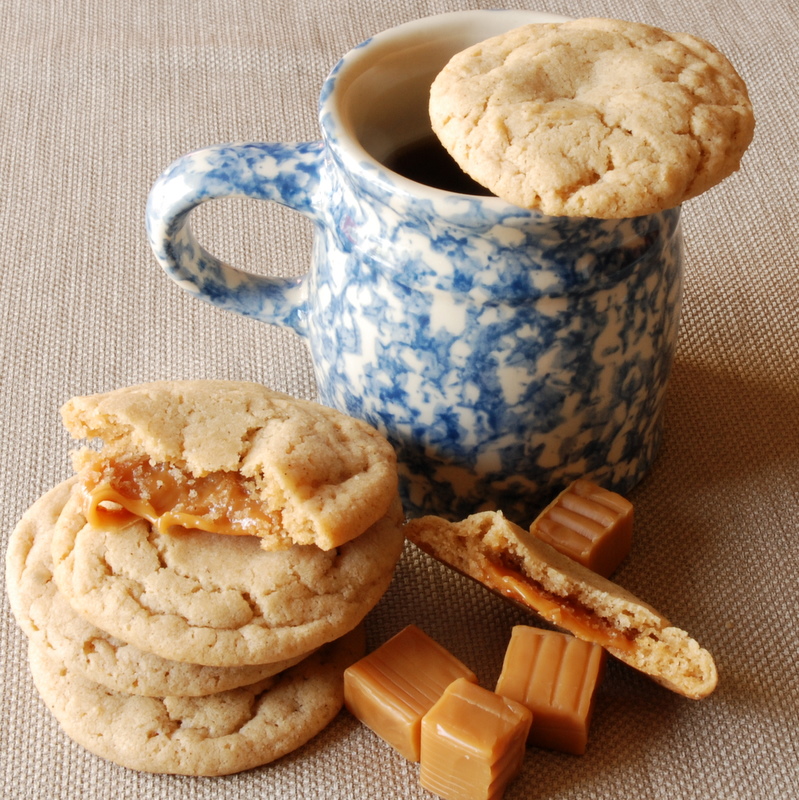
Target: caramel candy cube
(591, 525)
(393, 687)
(555, 675)
(473, 743)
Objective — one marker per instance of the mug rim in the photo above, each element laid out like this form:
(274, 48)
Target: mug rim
(449, 25)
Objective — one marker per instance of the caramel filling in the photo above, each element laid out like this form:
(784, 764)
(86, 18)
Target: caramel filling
(120, 492)
(565, 612)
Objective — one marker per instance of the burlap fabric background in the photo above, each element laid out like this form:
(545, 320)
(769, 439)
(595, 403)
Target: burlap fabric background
(98, 96)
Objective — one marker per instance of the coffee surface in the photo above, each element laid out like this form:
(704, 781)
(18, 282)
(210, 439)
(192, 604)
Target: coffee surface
(426, 161)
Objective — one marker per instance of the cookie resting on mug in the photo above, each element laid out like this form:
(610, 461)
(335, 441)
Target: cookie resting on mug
(593, 117)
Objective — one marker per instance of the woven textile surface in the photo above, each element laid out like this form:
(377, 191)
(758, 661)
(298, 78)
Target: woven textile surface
(99, 96)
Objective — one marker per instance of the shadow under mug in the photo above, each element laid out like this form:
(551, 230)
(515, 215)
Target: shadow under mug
(502, 352)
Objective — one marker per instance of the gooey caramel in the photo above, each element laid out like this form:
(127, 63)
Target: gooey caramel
(556, 676)
(119, 492)
(393, 687)
(591, 525)
(473, 743)
(562, 612)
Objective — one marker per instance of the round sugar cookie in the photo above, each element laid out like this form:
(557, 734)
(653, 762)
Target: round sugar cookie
(316, 476)
(52, 624)
(593, 117)
(217, 734)
(219, 600)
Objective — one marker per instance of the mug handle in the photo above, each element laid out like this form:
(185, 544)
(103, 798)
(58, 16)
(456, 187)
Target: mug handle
(288, 174)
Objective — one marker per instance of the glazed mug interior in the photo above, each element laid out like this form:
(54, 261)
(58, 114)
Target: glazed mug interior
(378, 93)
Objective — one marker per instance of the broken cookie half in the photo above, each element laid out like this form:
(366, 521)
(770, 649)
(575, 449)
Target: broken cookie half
(517, 565)
(230, 458)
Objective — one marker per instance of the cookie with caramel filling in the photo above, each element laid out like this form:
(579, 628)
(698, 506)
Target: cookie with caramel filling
(517, 565)
(231, 458)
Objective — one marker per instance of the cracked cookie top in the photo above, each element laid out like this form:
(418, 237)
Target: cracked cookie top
(593, 117)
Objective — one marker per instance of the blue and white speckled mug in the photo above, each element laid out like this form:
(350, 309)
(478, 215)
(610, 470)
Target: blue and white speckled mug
(501, 351)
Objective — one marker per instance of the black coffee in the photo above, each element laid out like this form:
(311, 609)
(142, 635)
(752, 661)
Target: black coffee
(426, 161)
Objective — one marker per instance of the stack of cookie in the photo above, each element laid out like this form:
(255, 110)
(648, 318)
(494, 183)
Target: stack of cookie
(172, 648)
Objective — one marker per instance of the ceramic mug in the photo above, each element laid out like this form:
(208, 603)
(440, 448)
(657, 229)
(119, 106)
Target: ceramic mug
(502, 352)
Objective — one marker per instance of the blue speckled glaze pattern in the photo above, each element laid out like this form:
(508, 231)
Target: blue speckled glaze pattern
(502, 352)
(504, 359)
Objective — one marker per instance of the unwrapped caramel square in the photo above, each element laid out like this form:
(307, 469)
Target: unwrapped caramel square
(555, 675)
(393, 687)
(589, 524)
(473, 743)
